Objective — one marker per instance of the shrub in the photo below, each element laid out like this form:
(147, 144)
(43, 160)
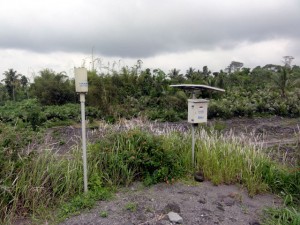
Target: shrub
(137, 155)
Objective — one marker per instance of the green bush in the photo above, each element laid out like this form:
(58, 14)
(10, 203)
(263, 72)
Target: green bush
(29, 113)
(13, 140)
(243, 103)
(137, 155)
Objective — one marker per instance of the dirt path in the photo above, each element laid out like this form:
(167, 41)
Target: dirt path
(202, 203)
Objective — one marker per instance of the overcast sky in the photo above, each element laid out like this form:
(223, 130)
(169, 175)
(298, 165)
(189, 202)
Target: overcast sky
(166, 34)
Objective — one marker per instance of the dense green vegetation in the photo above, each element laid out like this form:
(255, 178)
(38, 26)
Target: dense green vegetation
(33, 183)
(268, 90)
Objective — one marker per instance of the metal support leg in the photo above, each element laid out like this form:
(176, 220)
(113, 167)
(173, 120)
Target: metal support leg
(193, 145)
(82, 103)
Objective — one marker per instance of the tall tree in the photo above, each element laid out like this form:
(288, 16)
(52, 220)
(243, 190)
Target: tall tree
(206, 72)
(11, 81)
(24, 81)
(286, 77)
(282, 80)
(3, 94)
(176, 76)
(234, 66)
(139, 64)
(287, 60)
(53, 88)
(189, 73)
(220, 79)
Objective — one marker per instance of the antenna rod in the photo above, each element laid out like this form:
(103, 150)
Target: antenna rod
(93, 58)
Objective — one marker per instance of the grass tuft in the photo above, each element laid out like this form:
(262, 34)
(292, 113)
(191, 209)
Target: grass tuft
(280, 216)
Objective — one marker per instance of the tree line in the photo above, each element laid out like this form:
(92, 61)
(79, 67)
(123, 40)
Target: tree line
(131, 90)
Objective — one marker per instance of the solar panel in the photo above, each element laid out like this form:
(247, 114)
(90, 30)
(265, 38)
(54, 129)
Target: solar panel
(196, 87)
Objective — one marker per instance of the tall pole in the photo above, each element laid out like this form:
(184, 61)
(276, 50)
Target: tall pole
(82, 103)
(193, 137)
(193, 145)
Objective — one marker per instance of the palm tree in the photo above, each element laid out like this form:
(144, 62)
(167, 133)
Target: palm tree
(284, 80)
(24, 83)
(139, 64)
(11, 81)
(189, 73)
(176, 76)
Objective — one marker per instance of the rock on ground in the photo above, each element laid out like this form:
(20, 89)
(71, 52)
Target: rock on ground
(175, 217)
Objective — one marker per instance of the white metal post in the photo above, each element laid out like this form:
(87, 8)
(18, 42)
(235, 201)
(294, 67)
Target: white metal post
(82, 103)
(193, 136)
(193, 144)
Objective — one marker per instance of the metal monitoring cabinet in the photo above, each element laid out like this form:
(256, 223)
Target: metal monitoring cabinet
(81, 83)
(197, 110)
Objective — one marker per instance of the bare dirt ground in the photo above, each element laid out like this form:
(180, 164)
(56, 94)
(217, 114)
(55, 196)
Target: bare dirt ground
(200, 203)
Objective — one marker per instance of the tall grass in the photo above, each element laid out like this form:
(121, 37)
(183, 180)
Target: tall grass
(38, 182)
(280, 216)
(228, 159)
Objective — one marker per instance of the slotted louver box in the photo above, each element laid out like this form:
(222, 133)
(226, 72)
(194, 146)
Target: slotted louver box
(197, 110)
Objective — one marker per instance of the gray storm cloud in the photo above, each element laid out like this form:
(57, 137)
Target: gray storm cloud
(144, 28)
